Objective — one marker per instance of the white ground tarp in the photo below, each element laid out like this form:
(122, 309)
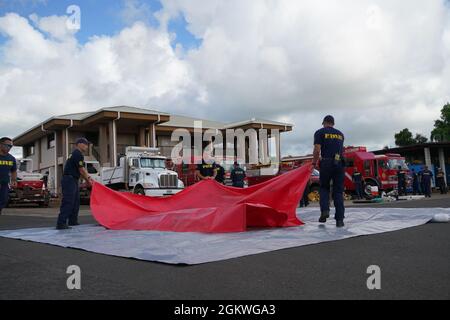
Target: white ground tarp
(195, 248)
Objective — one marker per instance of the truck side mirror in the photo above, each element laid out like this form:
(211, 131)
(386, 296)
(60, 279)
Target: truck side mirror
(130, 163)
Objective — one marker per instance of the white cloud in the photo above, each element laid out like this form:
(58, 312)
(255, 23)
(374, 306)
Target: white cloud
(377, 66)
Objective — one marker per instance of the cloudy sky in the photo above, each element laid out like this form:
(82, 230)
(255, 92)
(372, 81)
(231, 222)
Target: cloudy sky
(378, 65)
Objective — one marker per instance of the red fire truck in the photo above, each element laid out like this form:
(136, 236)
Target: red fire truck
(259, 174)
(377, 170)
(186, 172)
(31, 188)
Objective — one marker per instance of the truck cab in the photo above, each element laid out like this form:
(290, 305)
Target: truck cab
(143, 171)
(31, 186)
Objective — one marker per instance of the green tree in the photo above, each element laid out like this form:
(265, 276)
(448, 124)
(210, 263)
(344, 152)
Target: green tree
(420, 139)
(404, 138)
(441, 131)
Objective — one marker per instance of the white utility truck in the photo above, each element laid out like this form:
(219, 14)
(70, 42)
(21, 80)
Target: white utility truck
(94, 170)
(143, 171)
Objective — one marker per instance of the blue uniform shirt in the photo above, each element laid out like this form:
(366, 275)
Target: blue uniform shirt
(73, 164)
(238, 175)
(331, 141)
(357, 177)
(7, 165)
(426, 176)
(207, 169)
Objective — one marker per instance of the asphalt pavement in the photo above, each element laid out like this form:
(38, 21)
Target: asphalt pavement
(414, 264)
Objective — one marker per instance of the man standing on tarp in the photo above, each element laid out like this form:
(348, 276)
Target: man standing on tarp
(73, 170)
(329, 145)
(8, 171)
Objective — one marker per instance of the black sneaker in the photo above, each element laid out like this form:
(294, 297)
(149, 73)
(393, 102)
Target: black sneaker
(74, 224)
(63, 227)
(324, 216)
(340, 223)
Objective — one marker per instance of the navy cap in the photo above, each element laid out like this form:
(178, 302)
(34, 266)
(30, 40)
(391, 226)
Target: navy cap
(82, 140)
(328, 119)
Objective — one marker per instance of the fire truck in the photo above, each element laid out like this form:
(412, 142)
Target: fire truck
(259, 174)
(377, 170)
(31, 187)
(186, 172)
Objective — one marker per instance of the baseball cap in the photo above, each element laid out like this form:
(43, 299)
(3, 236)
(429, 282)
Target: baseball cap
(328, 119)
(82, 140)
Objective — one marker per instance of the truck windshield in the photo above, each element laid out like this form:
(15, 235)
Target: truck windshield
(153, 163)
(92, 168)
(395, 163)
(23, 166)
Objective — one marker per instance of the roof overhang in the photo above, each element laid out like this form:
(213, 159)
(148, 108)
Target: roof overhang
(90, 121)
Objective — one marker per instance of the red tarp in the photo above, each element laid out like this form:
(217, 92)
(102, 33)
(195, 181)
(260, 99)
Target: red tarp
(205, 207)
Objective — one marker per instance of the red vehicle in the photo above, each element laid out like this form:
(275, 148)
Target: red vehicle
(186, 172)
(30, 186)
(256, 175)
(377, 170)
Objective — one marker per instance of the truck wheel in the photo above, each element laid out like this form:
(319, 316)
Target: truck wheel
(139, 190)
(367, 188)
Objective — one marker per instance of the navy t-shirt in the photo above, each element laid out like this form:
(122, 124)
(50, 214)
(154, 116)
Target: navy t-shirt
(331, 141)
(238, 175)
(7, 165)
(206, 169)
(73, 164)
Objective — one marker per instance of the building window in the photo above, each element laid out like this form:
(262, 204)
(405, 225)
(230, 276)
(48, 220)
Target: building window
(51, 141)
(29, 150)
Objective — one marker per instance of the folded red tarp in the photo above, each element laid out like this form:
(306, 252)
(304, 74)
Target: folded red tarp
(205, 207)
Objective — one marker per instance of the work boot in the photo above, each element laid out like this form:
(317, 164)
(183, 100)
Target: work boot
(340, 223)
(62, 227)
(324, 216)
(73, 224)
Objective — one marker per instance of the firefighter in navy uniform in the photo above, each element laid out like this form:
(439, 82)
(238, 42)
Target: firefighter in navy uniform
(357, 180)
(238, 176)
(401, 178)
(8, 171)
(73, 170)
(427, 176)
(440, 181)
(220, 175)
(329, 145)
(207, 170)
(415, 178)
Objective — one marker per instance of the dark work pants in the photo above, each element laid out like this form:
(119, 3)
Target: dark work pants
(359, 190)
(427, 188)
(402, 188)
(70, 203)
(416, 188)
(4, 195)
(332, 171)
(441, 185)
